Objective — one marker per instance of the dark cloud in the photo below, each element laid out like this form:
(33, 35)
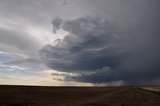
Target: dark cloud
(144, 77)
(67, 2)
(88, 46)
(100, 52)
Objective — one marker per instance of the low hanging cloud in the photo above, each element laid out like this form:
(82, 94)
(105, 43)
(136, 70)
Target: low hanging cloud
(100, 52)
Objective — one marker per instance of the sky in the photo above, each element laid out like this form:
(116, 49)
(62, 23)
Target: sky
(79, 42)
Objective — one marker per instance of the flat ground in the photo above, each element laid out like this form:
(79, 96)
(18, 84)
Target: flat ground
(76, 96)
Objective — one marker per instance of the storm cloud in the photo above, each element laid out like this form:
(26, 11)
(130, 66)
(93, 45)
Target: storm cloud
(88, 46)
(102, 51)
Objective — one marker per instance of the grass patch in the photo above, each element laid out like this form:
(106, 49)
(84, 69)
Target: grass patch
(155, 90)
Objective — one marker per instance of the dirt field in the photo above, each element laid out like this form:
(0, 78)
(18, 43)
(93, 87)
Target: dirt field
(76, 96)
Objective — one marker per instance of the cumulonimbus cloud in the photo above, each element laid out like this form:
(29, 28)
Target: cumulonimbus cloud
(96, 48)
(88, 46)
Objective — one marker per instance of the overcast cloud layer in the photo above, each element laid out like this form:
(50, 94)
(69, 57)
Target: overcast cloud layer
(101, 41)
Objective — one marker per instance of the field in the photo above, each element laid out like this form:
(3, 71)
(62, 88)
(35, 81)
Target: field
(76, 96)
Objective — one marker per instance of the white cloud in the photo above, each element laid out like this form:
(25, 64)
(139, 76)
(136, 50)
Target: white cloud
(12, 67)
(17, 55)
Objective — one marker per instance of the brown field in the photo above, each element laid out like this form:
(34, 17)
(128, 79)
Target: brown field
(76, 96)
